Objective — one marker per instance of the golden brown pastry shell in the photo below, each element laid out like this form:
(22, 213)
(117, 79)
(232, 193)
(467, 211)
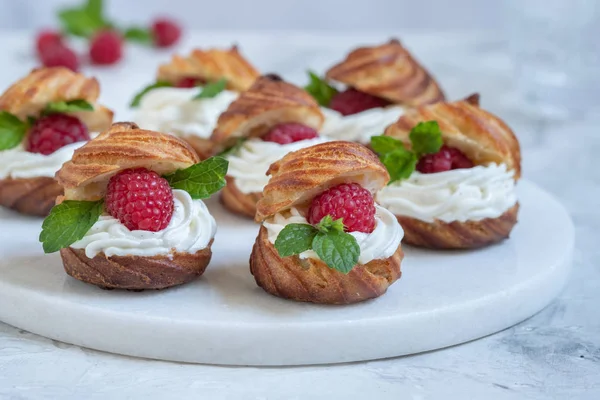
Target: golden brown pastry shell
(269, 102)
(203, 147)
(482, 136)
(458, 235)
(388, 71)
(30, 196)
(301, 175)
(313, 281)
(238, 202)
(134, 272)
(123, 146)
(210, 66)
(30, 95)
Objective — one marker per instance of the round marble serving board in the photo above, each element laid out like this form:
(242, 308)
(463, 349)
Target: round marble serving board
(442, 299)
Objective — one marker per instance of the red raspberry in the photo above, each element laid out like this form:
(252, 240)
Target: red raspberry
(444, 160)
(187, 83)
(289, 133)
(166, 32)
(106, 48)
(140, 199)
(459, 159)
(47, 38)
(59, 55)
(54, 131)
(352, 101)
(349, 201)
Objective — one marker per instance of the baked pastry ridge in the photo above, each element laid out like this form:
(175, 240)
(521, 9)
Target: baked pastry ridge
(132, 215)
(44, 117)
(265, 123)
(323, 239)
(380, 83)
(191, 92)
(460, 190)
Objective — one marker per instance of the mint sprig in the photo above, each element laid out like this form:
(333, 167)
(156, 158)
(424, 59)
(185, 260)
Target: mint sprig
(320, 90)
(138, 35)
(138, 97)
(211, 90)
(68, 222)
(425, 138)
(200, 180)
(84, 20)
(12, 130)
(67, 106)
(336, 248)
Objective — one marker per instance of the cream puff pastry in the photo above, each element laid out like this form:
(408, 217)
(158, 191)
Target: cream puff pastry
(132, 215)
(323, 239)
(266, 122)
(44, 117)
(190, 93)
(461, 193)
(380, 83)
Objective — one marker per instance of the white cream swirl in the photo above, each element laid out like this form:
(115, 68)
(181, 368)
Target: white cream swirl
(173, 110)
(249, 165)
(469, 194)
(18, 163)
(359, 127)
(191, 229)
(377, 245)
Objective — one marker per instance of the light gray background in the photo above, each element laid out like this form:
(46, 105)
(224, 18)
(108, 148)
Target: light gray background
(396, 15)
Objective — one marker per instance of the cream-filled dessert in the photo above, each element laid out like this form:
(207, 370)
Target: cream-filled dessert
(370, 89)
(266, 122)
(323, 238)
(142, 225)
(453, 180)
(176, 111)
(44, 117)
(191, 92)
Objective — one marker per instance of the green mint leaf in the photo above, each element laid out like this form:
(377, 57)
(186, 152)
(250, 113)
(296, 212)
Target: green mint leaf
(68, 222)
(83, 21)
(138, 97)
(202, 179)
(400, 164)
(385, 144)
(138, 35)
(294, 239)
(327, 224)
(426, 138)
(210, 90)
(233, 149)
(320, 89)
(95, 8)
(67, 106)
(338, 250)
(12, 130)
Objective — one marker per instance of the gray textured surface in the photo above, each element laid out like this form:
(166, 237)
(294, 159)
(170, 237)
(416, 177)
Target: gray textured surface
(553, 355)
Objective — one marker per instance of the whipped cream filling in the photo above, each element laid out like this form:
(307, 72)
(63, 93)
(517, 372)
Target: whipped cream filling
(469, 194)
(359, 127)
(249, 165)
(17, 163)
(379, 244)
(191, 228)
(173, 110)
